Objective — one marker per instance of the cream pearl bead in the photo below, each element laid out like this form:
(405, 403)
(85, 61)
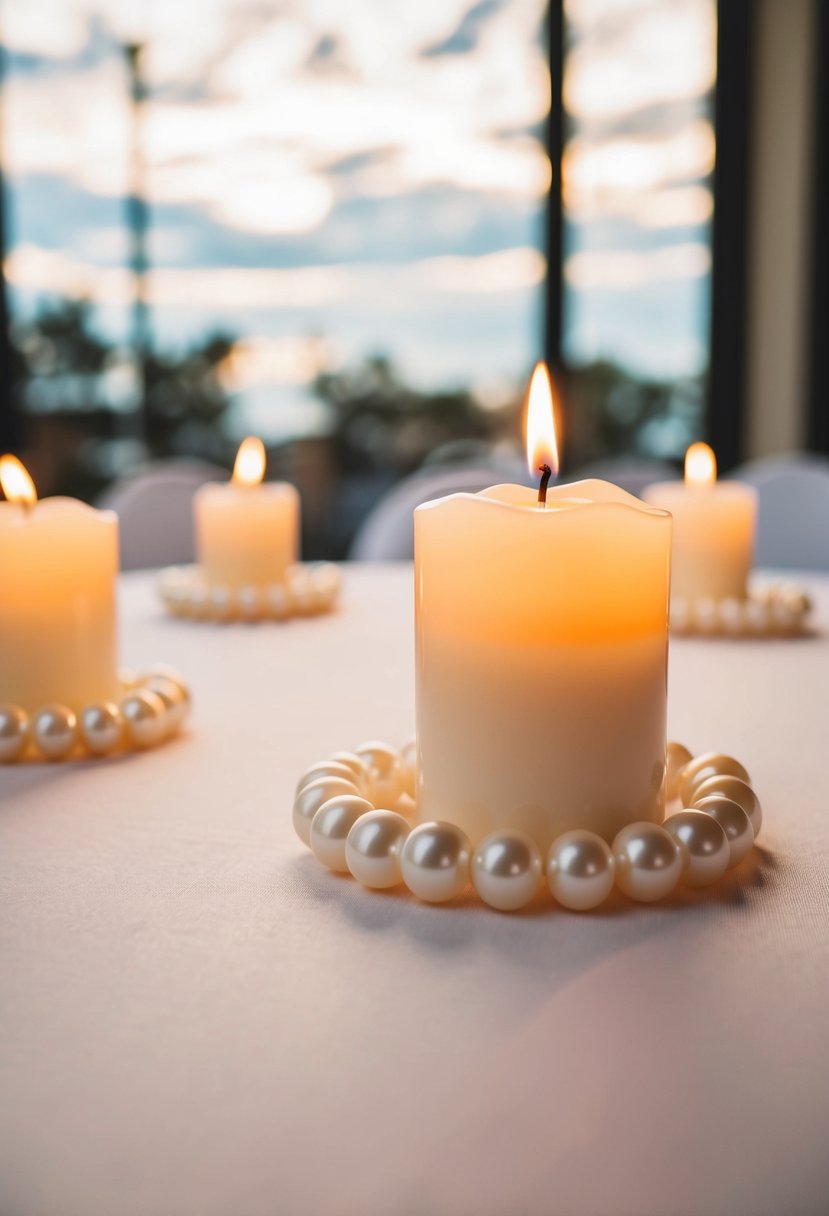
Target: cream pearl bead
(309, 800)
(145, 718)
(128, 679)
(677, 758)
(386, 770)
(373, 847)
(14, 732)
(408, 760)
(649, 861)
(326, 768)
(711, 764)
(330, 827)
(738, 791)
(276, 602)
(435, 861)
(580, 870)
(706, 846)
(506, 870)
(360, 770)
(101, 727)
(221, 603)
(735, 823)
(54, 731)
(170, 673)
(176, 705)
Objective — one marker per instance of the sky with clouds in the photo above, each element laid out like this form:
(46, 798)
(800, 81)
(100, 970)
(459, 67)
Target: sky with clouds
(330, 179)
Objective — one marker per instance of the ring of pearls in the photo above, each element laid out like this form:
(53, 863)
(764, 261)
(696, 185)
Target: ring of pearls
(150, 709)
(308, 590)
(355, 810)
(776, 610)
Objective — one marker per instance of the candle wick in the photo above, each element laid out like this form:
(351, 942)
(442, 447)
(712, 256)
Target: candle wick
(546, 473)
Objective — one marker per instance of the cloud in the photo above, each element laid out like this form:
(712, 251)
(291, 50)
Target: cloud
(626, 270)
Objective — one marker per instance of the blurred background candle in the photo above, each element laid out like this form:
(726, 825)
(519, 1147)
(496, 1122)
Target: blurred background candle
(541, 655)
(58, 564)
(714, 525)
(247, 533)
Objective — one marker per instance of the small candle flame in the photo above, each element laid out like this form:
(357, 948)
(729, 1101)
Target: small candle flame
(542, 449)
(249, 468)
(700, 465)
(16, 483)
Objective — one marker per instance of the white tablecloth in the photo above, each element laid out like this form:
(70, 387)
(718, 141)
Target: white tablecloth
(198, 1020)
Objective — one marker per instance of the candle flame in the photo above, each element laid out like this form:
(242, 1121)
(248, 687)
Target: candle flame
(249, 468)
(700, 465)
(16, 483)
(541, 432)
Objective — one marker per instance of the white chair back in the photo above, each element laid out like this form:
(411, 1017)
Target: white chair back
(793, 511)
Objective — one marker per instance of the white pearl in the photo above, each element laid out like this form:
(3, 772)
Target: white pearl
(677, 757)
(361, 773)
(199, 603)
(706, 615)
(731, 616)
(54, 731)
(170, 673)
(408, 772)
(145, 719)
(14, 732)
(506, 870)
(706, 846)
(738, 791)
(326, 578)
(128, 679)
(101, 728)
(221, 603)
(580, 870)
(176, 705)
(435, 860)
(711, 764)
(249, 603)
(735, 823)
(326, 768)
(372, 850)
(649, 861)
(300, 590)
(330, 827)
(386, 770)
(309, 800)
(276, 602)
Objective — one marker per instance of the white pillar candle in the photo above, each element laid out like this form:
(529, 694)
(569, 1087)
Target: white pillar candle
(714, 526)
(247, 533)
(59, 564)
(541, 657)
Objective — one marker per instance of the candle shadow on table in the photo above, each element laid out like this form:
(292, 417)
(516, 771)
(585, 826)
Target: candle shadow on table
(543, 932)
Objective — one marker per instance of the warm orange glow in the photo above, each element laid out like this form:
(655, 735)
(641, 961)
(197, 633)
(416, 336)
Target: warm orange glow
(700, 465)
(249, 468)
(541, 432)
(16, 483)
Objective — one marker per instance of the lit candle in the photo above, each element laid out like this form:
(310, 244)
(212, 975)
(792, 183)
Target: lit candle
(246, 532)
(714, 525)
(59, 563)
(541, 634)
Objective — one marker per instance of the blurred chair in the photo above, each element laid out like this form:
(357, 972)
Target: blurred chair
(387, 533)
(154, 506)
(793, 513)
(628, 474)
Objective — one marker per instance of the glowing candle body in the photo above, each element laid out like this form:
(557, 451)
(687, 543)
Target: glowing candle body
(247, 534)
(541, 659)
(58, 637)
(713, 533)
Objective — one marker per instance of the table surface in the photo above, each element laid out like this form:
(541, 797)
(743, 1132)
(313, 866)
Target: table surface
(196, 1019)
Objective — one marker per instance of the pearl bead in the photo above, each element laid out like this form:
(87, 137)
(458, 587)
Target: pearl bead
(706, 846)
(14, 732)
(712, 764)
(176, 705)
(372, 850)
(330, 827)
(170, 673)
(649, 861)
(326, 768)
(276, 602)
(101, 728)
(738, 791)
(249, 603)
(128, 679)
(677, 757)
(408, 760)
(435, 860)
(361, 773)
(300, 590)
(221, 603)
(506, 870)
(735, 823)
(54, 731)
(309, 800)
(580, 870)
(386, 769)
(145, 720)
